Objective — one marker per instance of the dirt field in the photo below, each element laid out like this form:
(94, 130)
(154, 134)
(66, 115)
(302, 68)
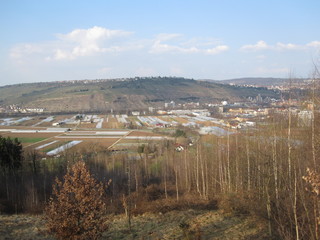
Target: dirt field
(86, 125)
(188, 224)
(112, 123)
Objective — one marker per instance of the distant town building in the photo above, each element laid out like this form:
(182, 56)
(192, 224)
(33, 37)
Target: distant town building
(171, 104)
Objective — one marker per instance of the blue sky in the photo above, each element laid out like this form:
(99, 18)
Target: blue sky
(75, 39)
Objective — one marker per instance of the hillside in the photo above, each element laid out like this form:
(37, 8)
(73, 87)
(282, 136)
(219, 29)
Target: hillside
(136, 93)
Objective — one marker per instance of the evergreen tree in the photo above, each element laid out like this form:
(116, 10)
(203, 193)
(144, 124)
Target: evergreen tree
(10, 154)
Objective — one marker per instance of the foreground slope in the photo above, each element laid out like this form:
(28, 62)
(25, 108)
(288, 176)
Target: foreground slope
(135, 93)
(188, 224)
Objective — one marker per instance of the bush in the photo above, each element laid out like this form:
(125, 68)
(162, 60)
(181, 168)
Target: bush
(234, 203)
(77, 208)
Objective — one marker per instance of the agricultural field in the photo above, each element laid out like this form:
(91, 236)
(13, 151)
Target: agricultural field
(90, 132)
(76, 132)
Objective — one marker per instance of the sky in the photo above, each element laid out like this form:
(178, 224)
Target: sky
(56, 40)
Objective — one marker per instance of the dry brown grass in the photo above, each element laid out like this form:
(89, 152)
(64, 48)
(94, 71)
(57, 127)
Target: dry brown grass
(23, 227)
(170, 225)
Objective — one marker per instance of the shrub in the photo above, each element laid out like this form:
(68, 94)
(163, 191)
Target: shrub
(234, 203)
(77, 208)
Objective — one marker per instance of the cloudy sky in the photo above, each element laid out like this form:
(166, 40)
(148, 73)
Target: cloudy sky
(57, 40)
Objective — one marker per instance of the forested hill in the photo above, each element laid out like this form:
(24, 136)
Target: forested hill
(132, 93)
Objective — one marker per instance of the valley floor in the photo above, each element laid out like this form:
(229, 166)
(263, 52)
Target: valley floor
(191, 224)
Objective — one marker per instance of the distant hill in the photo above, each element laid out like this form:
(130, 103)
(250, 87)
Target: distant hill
(259, 82)
(121, 94)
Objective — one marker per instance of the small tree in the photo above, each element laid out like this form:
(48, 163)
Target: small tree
(77, 209)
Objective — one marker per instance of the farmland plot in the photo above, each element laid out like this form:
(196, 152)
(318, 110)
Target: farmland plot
(112, 122)
(46, 120)
(28, 139)
(103, 142)
(63, 148)
(105, 122)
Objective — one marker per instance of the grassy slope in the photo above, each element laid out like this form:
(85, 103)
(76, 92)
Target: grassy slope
(210, 225)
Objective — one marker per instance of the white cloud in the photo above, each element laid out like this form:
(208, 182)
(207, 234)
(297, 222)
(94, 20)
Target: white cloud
(86, 42)
(98, 41)
(92, 35)
(60, 54)
(160, 45)
(217, 49)
(167, 36)
(20, 50)
(287, 46)
(77, 43)
(262, 45)
(315, 44)
(200, 42)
